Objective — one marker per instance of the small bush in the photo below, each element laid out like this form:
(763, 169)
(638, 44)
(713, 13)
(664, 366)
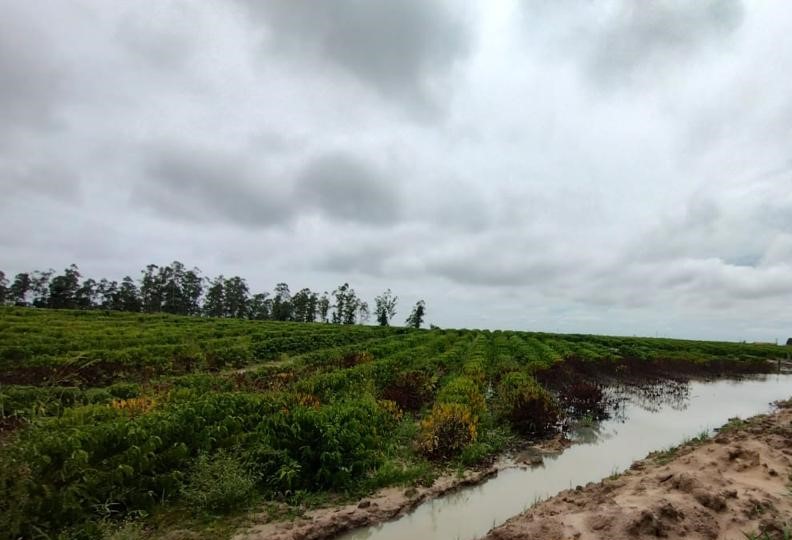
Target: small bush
(447, 430)
(218, 483)
(529, 408)
(187, 358)
(465, 391)
(410, 390)
(217, 357)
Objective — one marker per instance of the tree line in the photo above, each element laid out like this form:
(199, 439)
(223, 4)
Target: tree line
(176, 289)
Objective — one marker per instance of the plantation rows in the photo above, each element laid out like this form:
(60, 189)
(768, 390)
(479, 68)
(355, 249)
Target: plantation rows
(137, 412)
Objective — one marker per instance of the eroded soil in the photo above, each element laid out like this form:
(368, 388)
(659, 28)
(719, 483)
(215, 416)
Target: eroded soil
(734, 484)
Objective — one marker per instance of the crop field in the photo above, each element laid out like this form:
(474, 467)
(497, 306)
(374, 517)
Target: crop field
(106, 416)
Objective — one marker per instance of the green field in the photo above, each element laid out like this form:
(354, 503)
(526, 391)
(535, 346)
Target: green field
(107, 416)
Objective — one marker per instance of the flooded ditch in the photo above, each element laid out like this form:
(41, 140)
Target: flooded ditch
(641, 423)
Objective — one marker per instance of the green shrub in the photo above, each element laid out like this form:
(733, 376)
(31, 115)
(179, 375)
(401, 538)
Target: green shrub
(529, 408)
(218, 482)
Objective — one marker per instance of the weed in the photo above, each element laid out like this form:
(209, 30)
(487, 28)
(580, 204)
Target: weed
(218, 483)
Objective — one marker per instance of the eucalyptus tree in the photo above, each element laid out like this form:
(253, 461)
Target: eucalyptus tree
(282, 303)
(20, 288)
(323, 307)
(107, 294)
(192, 286)
(128, 296)
(346, 309)
(39, 286)
(151, 289)
(237, 296)
(85, 297)
(304, 306)
(385, 307)
(260, 307)
(214, 304)
(415, 320)
(62, 288)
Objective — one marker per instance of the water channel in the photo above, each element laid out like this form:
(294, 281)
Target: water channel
(599, 451)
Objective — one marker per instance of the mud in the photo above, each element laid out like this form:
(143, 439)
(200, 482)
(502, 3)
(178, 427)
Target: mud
(386, 504)
(736, 483)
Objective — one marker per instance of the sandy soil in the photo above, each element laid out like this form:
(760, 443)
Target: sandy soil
(736, 483)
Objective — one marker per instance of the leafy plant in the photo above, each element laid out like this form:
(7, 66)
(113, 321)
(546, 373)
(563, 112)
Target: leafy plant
(529, 408)
(448, 429)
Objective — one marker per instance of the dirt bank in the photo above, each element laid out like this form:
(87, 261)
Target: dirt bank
(734, 484)
(384, 505)
(388, 503)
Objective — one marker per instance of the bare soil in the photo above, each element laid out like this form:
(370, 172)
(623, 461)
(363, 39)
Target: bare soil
(733, 485)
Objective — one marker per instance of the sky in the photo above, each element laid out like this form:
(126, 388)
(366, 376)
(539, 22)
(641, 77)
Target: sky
(619, 167)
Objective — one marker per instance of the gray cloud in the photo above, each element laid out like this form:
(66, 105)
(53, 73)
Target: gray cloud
(647, 35)
(29, 70)
(345, 188)
(207, 187)
(618, 167)
(399, 48)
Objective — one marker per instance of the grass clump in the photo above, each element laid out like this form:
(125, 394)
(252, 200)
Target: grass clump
(218, 483)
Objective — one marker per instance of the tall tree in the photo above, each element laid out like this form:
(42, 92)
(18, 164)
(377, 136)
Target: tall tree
(385, 307)
(236, 297)
(214, 305)
(170, 278)
(304, 306)
(347, 305)
(85, 296)
(151, 293)
(416, 318)
(282, 303)
(260, 307)
(63, 289)
(39, 285)
(128, 298)
(20, 288)
(192, 288)
(107, 294)
(323, 307)
(340, 306)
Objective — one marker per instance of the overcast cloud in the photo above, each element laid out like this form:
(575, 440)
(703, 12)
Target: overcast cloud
(617, 166)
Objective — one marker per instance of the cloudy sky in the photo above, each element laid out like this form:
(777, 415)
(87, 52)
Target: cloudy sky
(608, 166)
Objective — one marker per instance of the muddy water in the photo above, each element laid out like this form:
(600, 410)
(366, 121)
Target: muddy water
(601, 450)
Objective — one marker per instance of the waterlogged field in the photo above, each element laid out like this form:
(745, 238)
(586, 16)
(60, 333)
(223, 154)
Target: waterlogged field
(109, 421)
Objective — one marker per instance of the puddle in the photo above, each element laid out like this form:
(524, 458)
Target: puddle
(601, 450)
